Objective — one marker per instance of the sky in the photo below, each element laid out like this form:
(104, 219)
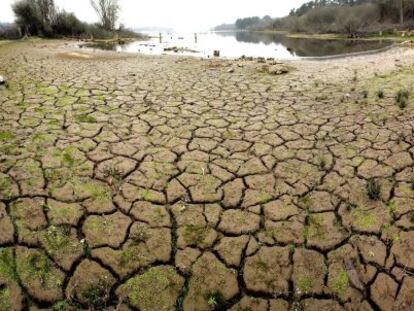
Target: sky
(177, 14)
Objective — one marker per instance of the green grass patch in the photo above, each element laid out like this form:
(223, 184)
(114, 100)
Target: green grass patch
(304, 284)
(340, 283)
(7, 264)
(6, 136)
(84, 118)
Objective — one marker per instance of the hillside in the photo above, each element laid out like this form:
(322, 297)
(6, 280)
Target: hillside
(338, 16)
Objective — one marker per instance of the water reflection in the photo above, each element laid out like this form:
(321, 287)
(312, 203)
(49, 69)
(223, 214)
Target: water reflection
(309, 47)
(236, 44)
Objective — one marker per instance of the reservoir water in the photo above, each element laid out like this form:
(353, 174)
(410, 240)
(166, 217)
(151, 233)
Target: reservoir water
(237, 44)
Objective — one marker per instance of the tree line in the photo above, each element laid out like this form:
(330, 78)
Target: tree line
(43, 18)
(339, 16)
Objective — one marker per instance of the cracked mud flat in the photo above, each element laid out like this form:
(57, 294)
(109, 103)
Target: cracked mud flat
(164, 183)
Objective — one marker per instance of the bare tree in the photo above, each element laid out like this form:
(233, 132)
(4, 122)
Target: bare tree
(402, 12)
(108, 12)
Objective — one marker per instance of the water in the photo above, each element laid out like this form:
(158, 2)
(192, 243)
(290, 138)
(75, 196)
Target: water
(236, 44)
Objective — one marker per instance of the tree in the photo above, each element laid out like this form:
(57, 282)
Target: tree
(67, 24)
(47, 10)
(27, 17)
(36, 16)
(108, 12)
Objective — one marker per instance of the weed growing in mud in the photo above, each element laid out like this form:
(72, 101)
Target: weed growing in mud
(322, 162)
(151, 290)
(6, 136)
(7, 265)
(216, 301)
(402, 98)
(373, 188)
(364, 219)
(304, 284)
(68, 158)
(57, 238)
(35, 266)
(112, 175)
(263, 198)
(365, 94)
(84, 118)
(380, 94)
(127, 255)
(355, 77)
(350, 207)
(297, 306)
(412, 217)
(340, 283)
(112, 172)
(95, 296)
(4, 298)
(97, 192)
(86, 248)
(63, 306)
(391, 206)
(315, 229)
(138, 236)
(194, 234)
(146, 195)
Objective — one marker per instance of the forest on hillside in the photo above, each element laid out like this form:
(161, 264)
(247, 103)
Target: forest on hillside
(337, 16)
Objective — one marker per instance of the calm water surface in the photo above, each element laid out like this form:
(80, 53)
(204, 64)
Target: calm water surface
(236, 44)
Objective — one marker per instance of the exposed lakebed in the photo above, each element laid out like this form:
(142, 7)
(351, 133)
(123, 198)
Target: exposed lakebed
(211, 183)
(237, 44)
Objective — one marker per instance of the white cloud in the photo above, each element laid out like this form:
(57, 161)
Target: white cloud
(179, 14)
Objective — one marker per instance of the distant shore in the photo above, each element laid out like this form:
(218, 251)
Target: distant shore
(332, 36)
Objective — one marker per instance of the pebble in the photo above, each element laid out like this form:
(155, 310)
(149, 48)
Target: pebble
(2, 80)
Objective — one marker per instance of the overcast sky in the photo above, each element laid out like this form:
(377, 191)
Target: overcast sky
(177, 14)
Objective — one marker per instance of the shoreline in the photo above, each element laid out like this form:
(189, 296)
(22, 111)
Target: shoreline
(81, 46)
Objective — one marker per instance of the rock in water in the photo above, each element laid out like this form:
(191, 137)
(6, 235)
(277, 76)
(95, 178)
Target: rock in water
(2, 80)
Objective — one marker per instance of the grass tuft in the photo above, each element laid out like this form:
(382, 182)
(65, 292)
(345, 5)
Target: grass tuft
(216, 301)
(373, 188)
(380, 94)
(402, 98)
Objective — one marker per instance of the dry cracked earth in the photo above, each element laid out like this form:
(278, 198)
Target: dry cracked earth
(159, 183)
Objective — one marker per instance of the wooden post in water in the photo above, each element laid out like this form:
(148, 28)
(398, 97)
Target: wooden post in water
(160, 37)
(195, 37)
